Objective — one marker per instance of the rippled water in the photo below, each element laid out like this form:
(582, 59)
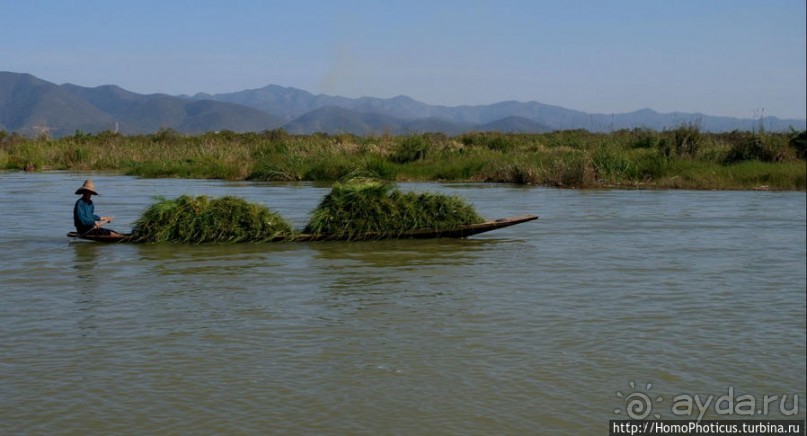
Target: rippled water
(538, 328)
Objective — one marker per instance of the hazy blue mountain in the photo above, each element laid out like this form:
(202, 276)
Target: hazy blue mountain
(335, 120)
(426, 125)
(515, 125)
(290, 103)
(30, 106)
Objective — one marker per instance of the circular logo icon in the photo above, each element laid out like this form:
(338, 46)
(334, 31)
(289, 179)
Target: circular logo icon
(638, 405)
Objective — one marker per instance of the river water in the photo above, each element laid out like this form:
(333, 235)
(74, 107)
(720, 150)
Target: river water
(548, 327)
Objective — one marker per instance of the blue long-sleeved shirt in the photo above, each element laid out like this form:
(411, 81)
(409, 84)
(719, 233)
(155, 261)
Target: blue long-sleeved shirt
(84, 216)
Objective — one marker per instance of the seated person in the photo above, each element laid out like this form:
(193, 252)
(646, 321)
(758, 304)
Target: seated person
(84, 217)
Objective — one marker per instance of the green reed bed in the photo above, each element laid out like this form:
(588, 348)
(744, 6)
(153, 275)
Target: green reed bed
(371, 209)
(201, 219)
(683, 157)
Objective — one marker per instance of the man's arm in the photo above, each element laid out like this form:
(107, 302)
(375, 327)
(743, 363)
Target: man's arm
(84, 214)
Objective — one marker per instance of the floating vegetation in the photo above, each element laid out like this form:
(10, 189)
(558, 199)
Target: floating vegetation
(372, 209)
(201, 219)
(353, 210)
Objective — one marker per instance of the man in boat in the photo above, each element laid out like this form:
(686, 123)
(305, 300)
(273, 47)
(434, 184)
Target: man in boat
(84, 217)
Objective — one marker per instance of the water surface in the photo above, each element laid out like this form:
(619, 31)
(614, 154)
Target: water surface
(531, 329)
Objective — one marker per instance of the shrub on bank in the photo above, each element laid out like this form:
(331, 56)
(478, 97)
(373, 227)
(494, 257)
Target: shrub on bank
(798, 142)
(756, 146)
(683, 142)
(410, 149)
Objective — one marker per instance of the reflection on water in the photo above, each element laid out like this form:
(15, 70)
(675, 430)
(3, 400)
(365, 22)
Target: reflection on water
(211, 259)
(403, 253)
(86, 258)
(526, 330)
(361, 275)
(85, 262)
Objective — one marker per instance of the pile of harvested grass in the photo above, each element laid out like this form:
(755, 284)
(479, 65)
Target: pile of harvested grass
(371, 209)
(201, 219)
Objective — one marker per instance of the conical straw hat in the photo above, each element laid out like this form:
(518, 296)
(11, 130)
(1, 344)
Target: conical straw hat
(88, 186)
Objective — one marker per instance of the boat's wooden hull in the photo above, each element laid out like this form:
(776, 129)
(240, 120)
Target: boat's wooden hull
(459, 232)
(102, 238)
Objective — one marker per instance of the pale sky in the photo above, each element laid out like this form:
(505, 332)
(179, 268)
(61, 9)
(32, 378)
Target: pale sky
(717, 57)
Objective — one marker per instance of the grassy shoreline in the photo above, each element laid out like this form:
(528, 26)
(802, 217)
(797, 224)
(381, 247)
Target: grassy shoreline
(684, 158)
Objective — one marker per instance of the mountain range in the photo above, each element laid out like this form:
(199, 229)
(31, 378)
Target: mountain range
(32, 106)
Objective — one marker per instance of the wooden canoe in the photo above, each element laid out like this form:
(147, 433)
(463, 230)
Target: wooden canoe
(102, 238)
(458, 232)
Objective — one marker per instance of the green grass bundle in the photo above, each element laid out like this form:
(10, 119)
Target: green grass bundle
(201, 219)
(370, 209)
